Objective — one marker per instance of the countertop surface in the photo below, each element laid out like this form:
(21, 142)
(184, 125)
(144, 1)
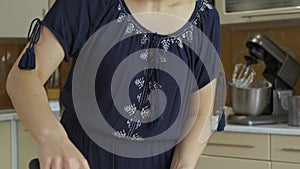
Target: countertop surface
(10, 114)
(282, 129)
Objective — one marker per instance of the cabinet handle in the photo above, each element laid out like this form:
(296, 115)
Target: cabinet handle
(232, 145)
(270, 14)
(293, 149)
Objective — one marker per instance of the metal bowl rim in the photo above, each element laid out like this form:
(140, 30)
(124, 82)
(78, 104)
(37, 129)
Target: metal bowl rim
(269, 85)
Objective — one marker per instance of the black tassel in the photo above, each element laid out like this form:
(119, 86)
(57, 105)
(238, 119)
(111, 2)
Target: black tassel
(27, 61)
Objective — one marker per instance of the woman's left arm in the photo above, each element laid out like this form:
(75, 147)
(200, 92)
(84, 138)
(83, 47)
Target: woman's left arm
(189, 150)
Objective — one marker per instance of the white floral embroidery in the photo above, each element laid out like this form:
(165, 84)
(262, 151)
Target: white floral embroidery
(130, 109)
(121, 17)
(120, 134)
(145, 39)
(123, 135)
(140, 82)
(134, 124)
(130, 28)
(136, 137)
(138, 31)
(154, 85)
(165, 44)
(188, 35)
(145, 113)
(178, 41)
(162, 59)
(119, 7)
(205, 4)
(144, 55)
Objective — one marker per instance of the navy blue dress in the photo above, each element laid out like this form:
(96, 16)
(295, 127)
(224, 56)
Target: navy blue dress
(79, 26)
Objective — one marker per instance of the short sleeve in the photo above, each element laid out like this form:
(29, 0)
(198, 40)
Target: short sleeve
(212, 64)
(71, 21)
(207, 67)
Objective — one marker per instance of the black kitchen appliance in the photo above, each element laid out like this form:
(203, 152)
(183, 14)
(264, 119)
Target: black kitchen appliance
(281, 70)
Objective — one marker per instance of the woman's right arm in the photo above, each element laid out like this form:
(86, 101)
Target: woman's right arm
(29, 98)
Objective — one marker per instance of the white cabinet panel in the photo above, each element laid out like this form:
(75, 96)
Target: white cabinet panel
(276, 165)
(211, 162)
(16, 16)
(28, 149)
(240, 145)
(285, 148)
(5, 145)
(51, 2)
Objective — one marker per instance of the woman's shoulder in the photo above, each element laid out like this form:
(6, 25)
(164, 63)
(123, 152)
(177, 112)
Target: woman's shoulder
(83, 3)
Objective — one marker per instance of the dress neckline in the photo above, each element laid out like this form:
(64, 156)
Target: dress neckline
(180, 30)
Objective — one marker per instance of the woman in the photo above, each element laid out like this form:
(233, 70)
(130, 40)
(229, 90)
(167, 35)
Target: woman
(70, 30)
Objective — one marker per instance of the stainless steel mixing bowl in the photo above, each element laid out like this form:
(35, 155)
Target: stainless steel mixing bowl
(252, 100)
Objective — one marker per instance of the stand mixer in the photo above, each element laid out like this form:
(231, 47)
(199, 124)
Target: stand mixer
(282, 71)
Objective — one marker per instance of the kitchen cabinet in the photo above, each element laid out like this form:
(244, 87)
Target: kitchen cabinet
(51, 2)
(240, 145)
(5, 145)
(235, 11)
(230, 150)
(16, 16)
(276, 165)
(211, 162)
(285, 148)
(28, 148)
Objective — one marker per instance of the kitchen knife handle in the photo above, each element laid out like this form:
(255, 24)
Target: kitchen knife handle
(34, 164)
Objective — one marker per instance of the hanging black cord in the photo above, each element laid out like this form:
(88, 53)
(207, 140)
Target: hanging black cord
(34, 36)
(27, 61)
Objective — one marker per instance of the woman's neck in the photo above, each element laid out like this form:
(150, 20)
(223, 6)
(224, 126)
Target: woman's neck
(161, 3)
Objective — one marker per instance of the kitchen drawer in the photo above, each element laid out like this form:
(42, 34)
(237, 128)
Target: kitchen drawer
(240, 145)
(276, 165)
(28, 148)
(5, 145)
(210, 162)
(285, 148)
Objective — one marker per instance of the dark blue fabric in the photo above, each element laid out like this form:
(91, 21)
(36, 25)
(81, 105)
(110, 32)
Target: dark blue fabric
(73, 22)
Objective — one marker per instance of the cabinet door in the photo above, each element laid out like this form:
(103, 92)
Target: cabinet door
(210, 162)
(5, 152)
(16, 15)
(285, 166)
(28, 149)
(285, 148)
(51, 2)
(240, 145)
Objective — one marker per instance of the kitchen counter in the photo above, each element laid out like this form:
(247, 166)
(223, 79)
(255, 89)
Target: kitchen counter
(10, 114)
(281, 129)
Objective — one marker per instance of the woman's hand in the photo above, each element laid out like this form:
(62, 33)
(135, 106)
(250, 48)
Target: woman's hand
(60, 153)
